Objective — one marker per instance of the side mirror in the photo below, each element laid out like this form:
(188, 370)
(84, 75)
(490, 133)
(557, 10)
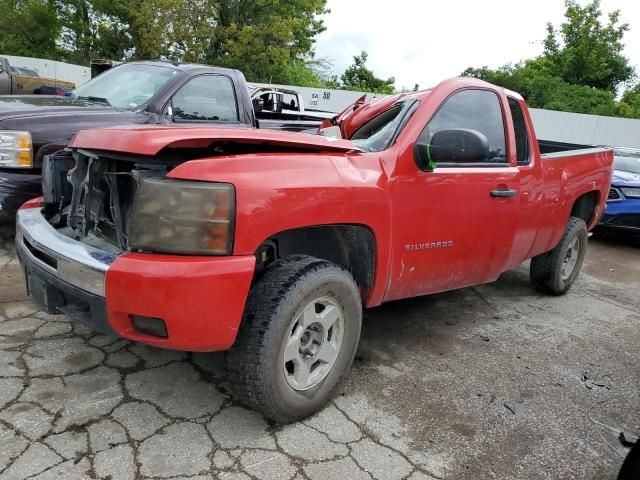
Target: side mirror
(258, 104)
(458, 145)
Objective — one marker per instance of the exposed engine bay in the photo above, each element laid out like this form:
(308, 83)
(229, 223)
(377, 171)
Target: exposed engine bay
(88, 196)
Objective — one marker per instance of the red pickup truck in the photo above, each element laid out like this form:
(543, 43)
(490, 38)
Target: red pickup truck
(269, 244)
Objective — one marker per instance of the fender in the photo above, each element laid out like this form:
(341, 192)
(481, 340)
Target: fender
(278, 192)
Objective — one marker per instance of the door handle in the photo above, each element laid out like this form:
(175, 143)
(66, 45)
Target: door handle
(504, 192)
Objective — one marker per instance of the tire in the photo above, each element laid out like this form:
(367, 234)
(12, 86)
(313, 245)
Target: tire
(287, 315)
(630, 469)
(555, 271)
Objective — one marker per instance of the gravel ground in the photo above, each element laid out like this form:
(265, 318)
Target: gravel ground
(485, 382)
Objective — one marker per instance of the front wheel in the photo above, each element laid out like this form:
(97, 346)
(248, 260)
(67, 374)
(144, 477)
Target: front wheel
(298, 338)
(554, 272)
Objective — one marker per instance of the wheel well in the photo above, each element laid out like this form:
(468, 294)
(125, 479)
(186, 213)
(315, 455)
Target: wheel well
(350, 246)
(585, 206)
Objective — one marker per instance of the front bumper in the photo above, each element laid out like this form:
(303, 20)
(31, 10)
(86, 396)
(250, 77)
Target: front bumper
(16, 188)
(622, 215)
(199, 299)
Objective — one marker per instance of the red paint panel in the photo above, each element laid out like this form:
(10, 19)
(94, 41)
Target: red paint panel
(328, 182)
(201, 299)
(33, 203)
(150, 139)
(299, 190)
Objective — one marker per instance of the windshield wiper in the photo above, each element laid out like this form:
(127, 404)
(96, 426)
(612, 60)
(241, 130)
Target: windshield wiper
(104, 101)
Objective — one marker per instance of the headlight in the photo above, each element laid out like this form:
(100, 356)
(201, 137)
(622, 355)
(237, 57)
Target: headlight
(631, 192)
(185, 217)
(15, 149)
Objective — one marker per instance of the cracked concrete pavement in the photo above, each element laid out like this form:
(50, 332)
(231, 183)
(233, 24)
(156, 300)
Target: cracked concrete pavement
(424, 400)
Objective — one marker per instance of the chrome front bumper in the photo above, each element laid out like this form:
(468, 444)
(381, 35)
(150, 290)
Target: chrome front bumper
(71, 261)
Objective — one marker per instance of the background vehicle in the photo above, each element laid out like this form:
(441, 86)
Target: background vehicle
(285, 109)
(623, 205)
(101, 65)
(24, 81)
(23, 71)
(268, 243)
(132, 93)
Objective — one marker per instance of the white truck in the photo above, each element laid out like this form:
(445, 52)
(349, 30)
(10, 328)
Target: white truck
(299, 108)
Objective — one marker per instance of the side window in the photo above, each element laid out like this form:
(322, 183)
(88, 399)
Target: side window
(520, 126)
(476, 110)
(380, 132)
(290, 102)
(207, 98)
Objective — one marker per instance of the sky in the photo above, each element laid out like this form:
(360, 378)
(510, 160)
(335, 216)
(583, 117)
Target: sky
(429, 41)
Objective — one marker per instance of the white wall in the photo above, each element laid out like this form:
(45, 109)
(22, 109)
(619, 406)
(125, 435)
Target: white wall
(586, 129)
(52, 69)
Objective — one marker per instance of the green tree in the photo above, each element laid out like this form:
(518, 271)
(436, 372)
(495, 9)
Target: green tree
(177, 30)
(630, 103)
(269, 40)
(29, 28)
(535, 81)
(580, 70)
(584, 51)
(94, 29)
(358, 77)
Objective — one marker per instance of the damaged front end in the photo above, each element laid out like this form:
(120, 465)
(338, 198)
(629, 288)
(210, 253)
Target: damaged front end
(80, 250)
(89, 197)
(126, 203)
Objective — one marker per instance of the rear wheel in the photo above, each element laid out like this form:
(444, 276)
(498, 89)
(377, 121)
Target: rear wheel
(555, 271)
(298, 338)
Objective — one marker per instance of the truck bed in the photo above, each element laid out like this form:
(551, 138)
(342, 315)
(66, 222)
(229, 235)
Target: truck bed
(570, 171)
(550, 149)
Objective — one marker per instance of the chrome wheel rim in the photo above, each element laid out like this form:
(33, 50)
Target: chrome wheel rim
(313, 344)
(570, 259)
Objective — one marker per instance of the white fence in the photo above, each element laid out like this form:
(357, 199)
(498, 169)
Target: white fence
(52, 69)
(586, 129)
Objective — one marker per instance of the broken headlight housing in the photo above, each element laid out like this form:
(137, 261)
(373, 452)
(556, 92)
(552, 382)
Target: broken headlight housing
(16, 150)
(183, 217)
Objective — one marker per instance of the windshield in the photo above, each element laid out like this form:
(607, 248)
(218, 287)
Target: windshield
(628, 164)
(126, 86)
(377, 134)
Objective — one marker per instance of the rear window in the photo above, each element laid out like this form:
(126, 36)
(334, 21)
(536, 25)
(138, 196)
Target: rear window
(520, 126)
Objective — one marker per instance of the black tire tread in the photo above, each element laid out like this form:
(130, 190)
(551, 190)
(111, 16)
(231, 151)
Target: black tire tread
(542, 266)
(244, 361)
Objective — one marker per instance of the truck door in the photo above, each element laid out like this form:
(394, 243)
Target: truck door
(454, 226)
(531, 183)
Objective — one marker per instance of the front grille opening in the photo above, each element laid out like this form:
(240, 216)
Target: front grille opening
(614, 194)
(40, 255)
